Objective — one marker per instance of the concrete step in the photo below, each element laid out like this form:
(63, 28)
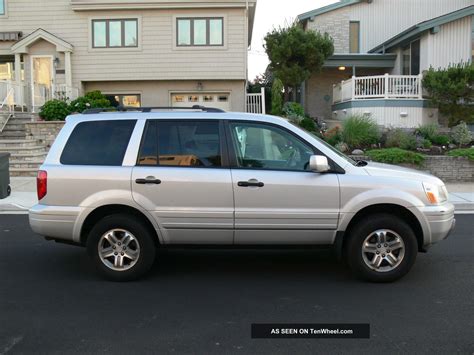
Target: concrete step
(17, 143)
(23, 171)
(15, 164)
(13, 134)
(31, 149)
(28, 156)
(14, 126)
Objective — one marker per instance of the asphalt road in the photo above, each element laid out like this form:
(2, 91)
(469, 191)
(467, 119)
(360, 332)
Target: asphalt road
(204, 301)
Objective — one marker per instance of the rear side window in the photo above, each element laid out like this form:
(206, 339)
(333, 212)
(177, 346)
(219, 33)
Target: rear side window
(98, 143)
(183, 143)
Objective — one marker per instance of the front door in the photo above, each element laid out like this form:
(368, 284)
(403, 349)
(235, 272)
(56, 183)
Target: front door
(277, 199)
(42, 79)
(181, 180)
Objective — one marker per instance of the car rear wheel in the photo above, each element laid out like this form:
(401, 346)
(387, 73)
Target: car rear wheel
(381, 248)
(122, 248)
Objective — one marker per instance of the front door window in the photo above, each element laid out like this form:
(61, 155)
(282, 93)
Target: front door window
(42, 80)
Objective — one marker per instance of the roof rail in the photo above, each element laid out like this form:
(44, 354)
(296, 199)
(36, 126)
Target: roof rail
(91, 111)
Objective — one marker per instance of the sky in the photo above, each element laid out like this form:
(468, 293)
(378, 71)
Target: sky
(274, 13)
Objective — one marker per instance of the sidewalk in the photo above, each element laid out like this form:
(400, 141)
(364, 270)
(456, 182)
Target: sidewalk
(24, 196)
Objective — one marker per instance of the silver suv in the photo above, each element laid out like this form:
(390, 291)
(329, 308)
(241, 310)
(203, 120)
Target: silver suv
(126, 183)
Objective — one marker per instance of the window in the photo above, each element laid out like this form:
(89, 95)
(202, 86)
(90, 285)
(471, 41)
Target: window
(415, 58)
(126, 100)
(354, 37)
(98, 143)
(2, 7)
(200, 31)
(406, 61)
(188, 143)
(114, 33)
(260, 146)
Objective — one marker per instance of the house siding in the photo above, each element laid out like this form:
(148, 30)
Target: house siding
(155, 59)
(380, 20)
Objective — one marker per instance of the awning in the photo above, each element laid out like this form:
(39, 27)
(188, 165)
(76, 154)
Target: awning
(361, 60)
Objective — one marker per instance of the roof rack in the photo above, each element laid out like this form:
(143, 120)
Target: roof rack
(91, 111)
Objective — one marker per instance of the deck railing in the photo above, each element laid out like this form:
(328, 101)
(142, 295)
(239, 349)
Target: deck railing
(379, 87)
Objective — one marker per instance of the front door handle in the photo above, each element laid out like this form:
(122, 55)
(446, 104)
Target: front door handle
(250, 183)
(148, 180)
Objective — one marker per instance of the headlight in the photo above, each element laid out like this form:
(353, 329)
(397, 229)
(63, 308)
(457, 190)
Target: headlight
(436, 194)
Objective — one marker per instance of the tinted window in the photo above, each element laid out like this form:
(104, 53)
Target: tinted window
(182, 144)
(268, 147)
(149, 149)
(98, 143)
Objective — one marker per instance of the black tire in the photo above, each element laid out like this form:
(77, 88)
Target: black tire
(146, 255)
(367, 226)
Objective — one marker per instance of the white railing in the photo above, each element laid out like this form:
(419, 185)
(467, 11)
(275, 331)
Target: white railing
(12, 94)
(64, 92)
(381, 86)
(255, 103)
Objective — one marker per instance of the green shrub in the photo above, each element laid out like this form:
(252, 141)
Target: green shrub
(291, 109)
(54, 110)
(428, 131)
(426, 143)
(277, 97)
(461, 134)
(93, 99)
(440, 139)
(395, 156)
(398, 138)
(333, 136)
(466, 152)
(308, 124)
(360, 131)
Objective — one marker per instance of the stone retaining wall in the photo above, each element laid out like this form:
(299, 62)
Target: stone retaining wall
(448, 169)
(44, 131)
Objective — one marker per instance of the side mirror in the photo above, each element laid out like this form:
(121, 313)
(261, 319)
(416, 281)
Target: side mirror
(319, 164)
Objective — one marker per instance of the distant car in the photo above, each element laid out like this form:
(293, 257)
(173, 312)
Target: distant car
(126, 183)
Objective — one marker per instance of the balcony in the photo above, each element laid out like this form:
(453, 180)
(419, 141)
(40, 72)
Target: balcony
(386, 87)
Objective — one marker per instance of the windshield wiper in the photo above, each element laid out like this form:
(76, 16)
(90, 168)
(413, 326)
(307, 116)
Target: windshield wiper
(361, 163)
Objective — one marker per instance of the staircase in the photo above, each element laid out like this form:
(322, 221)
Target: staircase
(26, 154)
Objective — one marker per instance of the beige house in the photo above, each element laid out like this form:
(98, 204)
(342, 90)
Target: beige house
(382, 48)
(147, 52)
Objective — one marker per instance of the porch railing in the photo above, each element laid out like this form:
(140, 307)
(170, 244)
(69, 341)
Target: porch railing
(377, 87)
(12, 94)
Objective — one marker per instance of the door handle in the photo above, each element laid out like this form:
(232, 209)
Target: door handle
(250, 184)
(148, 180)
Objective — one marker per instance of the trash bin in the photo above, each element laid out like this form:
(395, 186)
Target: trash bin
(4, 175)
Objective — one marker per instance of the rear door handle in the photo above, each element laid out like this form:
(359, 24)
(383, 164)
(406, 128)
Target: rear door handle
(148, 180)
(250, 183)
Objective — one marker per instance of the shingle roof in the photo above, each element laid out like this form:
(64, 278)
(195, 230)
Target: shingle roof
(328, 8)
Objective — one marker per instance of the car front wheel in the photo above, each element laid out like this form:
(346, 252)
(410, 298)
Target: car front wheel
(381, 248)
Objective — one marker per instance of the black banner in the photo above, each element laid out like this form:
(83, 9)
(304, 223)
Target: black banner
(305, 331)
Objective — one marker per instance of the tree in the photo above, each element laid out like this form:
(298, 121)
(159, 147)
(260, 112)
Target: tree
(452, 90)
(277, 102)
(295, 54)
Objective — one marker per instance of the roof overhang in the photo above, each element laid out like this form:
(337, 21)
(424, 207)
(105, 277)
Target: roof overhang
(40, 34)
(313, 13)
(361, 60)
(416, 31)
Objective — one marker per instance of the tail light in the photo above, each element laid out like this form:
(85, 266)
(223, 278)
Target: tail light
(42, 184)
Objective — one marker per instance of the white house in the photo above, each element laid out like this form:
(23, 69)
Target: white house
(382, 48)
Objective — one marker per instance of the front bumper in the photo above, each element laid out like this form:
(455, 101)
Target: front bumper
(54, 221)
(440, 222)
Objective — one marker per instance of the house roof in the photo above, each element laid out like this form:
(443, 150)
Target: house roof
(22, 45)
(328, 8)
(374, 60)
(416, 30)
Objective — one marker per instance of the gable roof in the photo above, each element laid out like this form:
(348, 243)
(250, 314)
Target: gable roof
(328, 8)
(22, 45)
(416, 30)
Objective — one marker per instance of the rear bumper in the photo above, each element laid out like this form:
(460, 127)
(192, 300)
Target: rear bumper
(54, 221)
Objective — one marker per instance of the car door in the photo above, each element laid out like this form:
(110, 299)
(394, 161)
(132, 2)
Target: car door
(277, 199)
(182, 178)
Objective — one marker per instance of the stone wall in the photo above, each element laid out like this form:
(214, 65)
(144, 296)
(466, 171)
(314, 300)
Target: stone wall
(44, 131)
(448, 169)
(336, 25)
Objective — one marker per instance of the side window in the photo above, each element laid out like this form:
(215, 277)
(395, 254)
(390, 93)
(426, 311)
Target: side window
(98, 143)
(182, 143)
(261, 146)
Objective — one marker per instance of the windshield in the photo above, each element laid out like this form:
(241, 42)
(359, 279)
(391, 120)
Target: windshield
(342, 155)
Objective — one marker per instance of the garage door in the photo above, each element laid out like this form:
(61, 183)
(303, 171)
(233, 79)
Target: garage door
(217, 100)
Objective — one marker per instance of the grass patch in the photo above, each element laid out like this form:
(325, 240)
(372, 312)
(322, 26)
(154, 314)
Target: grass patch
(462, 152)
(395, 156)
